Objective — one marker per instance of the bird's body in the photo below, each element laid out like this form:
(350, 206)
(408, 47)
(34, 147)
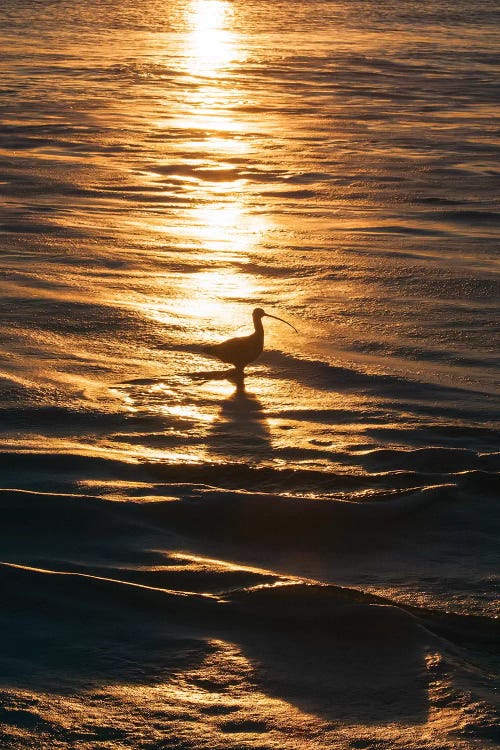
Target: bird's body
(241, 350)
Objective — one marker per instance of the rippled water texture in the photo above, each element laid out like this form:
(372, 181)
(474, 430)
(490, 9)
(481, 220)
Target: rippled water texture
(165, 168)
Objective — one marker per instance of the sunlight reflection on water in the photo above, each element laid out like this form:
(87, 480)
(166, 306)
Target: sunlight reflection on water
(169, 166)
(211, 43)
(218, 219)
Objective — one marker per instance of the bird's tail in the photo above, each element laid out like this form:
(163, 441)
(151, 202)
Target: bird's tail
(208, 349)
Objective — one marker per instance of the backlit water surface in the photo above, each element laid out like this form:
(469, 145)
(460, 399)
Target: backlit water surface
(167, 166)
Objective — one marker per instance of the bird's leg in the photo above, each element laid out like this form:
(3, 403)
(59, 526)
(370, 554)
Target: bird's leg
(238, 376)
(239, 380)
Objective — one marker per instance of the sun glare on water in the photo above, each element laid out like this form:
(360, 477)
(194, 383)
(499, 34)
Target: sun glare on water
(211, 43)
(226, 228)
(219, 221)
(213, 219)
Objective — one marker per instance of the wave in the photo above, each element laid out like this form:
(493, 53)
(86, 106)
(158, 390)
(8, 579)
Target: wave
(467, 217)
(291, 603)
(385, 470)
(332, 652)
(258, 520)
(58, 418)
(322, 375)
(81, 465)
(71, 316)
(392, 469)
(430, 460)
(266, 520)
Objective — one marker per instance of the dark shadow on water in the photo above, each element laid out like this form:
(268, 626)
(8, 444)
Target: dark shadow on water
(357, 663)
(241, 429)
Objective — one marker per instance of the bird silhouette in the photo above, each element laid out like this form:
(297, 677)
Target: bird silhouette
(241, 350)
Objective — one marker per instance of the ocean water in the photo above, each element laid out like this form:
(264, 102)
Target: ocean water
(308, 560)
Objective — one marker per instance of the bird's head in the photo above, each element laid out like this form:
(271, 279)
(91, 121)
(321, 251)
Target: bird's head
(258, 313)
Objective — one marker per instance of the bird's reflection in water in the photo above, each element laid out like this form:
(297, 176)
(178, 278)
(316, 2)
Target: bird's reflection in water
(241, 429)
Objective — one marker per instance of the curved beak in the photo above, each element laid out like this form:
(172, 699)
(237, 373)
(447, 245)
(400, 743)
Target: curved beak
(281, 319)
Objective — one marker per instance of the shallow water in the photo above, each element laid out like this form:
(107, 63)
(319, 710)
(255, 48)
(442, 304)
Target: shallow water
(167, 167)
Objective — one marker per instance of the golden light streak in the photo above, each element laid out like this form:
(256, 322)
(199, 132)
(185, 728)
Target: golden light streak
(211, 44)
(226, 227)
